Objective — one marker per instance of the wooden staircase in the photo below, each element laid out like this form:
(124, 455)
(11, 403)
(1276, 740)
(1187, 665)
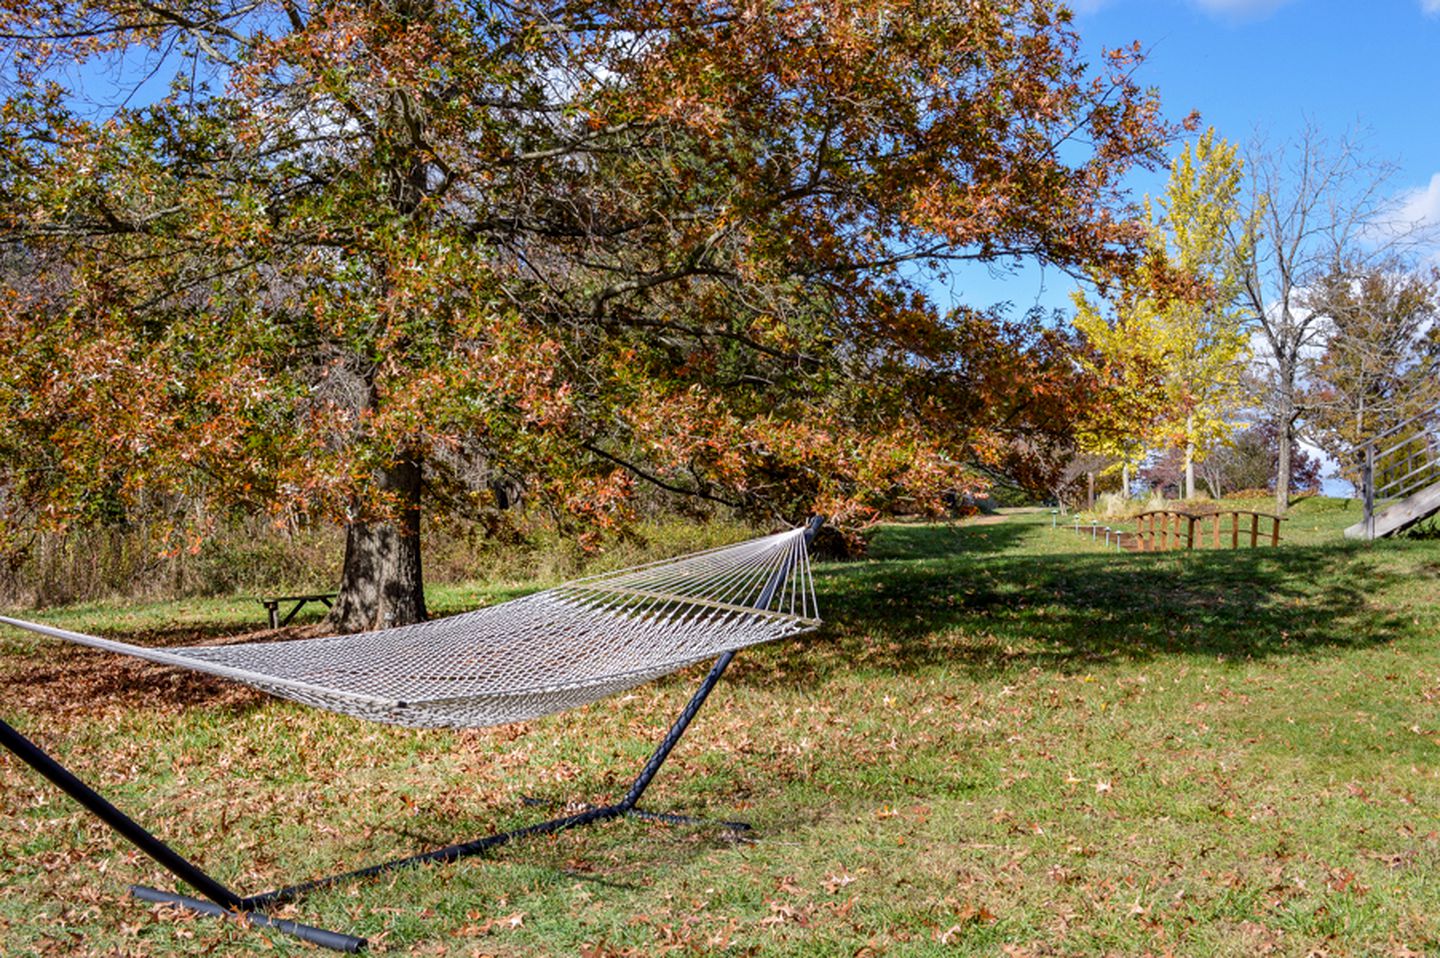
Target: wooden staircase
(1400, 478)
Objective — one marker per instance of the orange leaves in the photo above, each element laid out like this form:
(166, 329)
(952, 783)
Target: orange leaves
(560, 263)
(602, 504)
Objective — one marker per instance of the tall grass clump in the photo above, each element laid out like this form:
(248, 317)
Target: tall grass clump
(254, 557)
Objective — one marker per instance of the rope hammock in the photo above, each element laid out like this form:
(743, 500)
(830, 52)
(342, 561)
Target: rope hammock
(517, 660)
(543, 653)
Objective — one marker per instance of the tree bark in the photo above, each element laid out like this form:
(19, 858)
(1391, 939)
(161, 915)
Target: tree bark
(381, 584)
(1285, 439)
(1189, 457)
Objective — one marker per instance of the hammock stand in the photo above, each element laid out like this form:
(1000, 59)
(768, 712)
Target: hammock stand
(220, 901)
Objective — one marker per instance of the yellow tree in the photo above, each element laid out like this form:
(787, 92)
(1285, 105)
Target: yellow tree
(1175, 323)
(1121, 356)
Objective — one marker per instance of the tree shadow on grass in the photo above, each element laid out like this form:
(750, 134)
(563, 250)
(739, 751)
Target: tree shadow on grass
(957, 598)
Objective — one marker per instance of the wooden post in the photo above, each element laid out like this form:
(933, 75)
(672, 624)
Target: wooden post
(1190, 532)
(1215, 539)
(1275, 531)
(1254, 529)
(1234, 530)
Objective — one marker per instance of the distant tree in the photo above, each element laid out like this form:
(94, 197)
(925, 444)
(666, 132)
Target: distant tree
(1072, 485)
(1118, 423)
(1314, 209)
(1207, 346)
(1381, 358)
(365, 261)
(1251, 461)
(1164, 472)
(1174, 325)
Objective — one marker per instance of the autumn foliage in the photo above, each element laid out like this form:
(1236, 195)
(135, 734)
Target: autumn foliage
(1174, 344)
(365, 256)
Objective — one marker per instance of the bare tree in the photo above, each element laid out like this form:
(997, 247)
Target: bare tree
(1319, 205)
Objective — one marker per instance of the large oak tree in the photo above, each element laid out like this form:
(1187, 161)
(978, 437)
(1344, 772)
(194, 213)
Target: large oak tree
(366, 259)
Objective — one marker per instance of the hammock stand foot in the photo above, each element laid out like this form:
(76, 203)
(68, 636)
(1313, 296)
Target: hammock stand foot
(334, 940)
(670, 818)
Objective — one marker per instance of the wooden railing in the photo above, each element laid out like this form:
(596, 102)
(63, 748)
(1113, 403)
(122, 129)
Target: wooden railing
(1165, 529)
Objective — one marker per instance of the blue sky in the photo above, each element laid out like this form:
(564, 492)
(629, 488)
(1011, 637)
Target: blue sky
(1269, 67)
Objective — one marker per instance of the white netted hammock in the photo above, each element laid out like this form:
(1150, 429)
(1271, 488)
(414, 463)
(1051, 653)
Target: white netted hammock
(532, 656)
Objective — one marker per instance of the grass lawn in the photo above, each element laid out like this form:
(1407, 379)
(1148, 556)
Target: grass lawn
(1006, 741)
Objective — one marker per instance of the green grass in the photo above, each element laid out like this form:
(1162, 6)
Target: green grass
(1006, 740)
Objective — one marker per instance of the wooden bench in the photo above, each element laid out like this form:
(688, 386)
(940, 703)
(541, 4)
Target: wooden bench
(272, 605)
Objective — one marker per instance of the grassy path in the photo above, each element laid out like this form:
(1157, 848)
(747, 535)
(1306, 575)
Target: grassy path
(1006, 741)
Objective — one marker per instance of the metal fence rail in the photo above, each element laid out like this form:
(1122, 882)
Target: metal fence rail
(1399, 462)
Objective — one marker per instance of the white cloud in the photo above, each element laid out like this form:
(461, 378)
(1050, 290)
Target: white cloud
(1431, 7)
(1247, 9)
(1417, 212)
(1412, 218)
(1421, 206)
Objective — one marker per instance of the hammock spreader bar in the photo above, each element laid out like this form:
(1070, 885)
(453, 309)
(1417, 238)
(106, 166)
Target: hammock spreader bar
(224, 903)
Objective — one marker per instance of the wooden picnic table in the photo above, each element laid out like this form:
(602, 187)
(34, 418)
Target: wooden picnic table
(272, 605)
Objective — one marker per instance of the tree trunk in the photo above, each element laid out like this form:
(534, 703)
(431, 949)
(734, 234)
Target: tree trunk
(1090, 491)
(381, 584)
(1282, 464)
(1125, 480)
(1285, 375)
(1190, 457)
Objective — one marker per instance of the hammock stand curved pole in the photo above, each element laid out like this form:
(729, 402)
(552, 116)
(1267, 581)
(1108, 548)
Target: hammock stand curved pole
(220, 901)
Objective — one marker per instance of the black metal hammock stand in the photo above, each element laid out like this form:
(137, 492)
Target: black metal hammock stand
(521, 659)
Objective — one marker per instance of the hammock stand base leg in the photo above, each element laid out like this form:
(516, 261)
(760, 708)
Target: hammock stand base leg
(624, 808)
(224, 903)
(645, 814)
